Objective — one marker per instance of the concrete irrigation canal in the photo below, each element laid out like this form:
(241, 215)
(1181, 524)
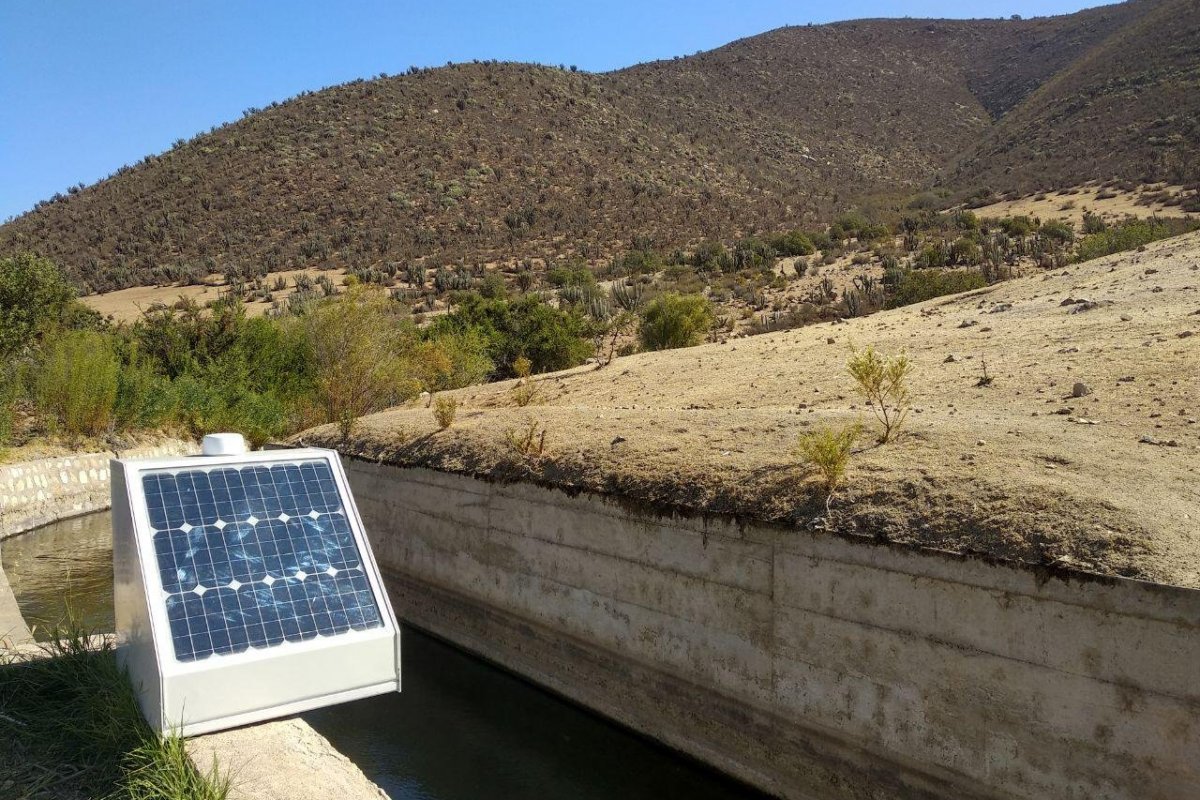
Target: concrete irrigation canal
(461, 729)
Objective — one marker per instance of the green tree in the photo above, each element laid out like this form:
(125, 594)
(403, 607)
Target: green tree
(675, 320)
(34, 298)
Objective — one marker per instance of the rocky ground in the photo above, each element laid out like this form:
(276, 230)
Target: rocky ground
(1080, 453)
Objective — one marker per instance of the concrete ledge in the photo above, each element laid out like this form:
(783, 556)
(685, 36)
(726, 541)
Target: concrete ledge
(281, 760)
(811, 666)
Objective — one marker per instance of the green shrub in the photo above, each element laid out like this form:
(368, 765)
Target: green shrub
(674, 320)
(1057, 231)
(9, 393)
(1093, 223)
(793, 243)
(1130, 235)
(144, 398)
(551, 338)
(444, 411)
(753, 253)
(923, 284)
(357, 345)
(828, 451)
(34, 297)
(711, 256)
(76, 384)
(1017, 226)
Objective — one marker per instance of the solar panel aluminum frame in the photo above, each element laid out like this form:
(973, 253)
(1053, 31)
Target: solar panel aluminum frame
(229, 690)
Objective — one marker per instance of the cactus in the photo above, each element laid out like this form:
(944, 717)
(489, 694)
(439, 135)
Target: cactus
(628, 298)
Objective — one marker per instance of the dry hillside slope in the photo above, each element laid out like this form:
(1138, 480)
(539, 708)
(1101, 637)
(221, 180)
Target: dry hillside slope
(1018, 470)
(486, 162)
(1129, 107)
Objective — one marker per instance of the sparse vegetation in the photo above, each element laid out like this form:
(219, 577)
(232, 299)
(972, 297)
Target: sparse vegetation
(528, 441)
(883, 382)
(444, 410)
(454, 202)
(827, 450)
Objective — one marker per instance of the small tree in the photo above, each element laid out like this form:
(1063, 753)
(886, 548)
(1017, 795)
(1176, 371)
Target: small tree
(444, 409)
(883, 382)
(358, 348)
(828, 450)
(675, 320)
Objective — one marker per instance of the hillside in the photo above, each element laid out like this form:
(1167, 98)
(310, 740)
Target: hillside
(490, 162)
(1019, 469)
(1128, 107)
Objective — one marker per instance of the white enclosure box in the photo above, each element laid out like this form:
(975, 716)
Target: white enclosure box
(245, 589)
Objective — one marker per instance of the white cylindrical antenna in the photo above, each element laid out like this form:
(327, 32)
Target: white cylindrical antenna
(223, 444)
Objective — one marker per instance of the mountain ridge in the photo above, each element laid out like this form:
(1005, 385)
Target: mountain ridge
(497, 162)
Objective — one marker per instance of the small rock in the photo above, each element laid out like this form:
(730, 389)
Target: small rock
(618, 440)
(1158, 442)
(981, 443)
(830, 340)
(967, 323)
(1080, 390)
(1126, 318)
(1185, 334)
(950, 359)
(999, 307)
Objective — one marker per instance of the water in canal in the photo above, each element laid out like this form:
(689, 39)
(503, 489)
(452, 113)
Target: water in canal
(461, 729)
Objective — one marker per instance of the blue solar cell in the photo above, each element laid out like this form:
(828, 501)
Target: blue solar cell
(255, 556)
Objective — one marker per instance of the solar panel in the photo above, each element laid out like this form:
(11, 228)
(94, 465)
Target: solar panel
(245, 588)
(254, 556)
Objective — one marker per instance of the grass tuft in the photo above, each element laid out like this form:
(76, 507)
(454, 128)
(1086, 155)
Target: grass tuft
(70, 727)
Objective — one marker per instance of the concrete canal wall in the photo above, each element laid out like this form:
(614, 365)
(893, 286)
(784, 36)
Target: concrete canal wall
(36, 493)
(810, 666)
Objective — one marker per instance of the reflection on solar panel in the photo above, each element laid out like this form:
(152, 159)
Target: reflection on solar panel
(254, 556)
(245, 588)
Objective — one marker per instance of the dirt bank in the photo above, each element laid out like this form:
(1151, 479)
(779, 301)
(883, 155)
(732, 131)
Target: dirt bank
(1018, 469)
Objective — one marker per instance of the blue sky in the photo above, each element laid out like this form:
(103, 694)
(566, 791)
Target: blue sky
(86, 87)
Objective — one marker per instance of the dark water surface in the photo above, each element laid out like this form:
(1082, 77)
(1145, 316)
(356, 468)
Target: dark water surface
(461, 729)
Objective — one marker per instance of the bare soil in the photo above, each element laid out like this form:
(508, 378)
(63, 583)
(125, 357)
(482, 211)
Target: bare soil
(1017, 470)
(126, 305)
(1110, 204)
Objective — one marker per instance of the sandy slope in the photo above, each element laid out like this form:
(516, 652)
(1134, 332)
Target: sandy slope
(1018, 470)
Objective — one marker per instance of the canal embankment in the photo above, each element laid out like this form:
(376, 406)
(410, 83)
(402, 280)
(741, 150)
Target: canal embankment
(809, 665)
(38, 492)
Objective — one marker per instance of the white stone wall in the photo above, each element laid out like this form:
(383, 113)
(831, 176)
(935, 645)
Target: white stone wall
(39, 492)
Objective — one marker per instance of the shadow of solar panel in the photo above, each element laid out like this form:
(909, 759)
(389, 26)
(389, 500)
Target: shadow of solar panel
(255, 556)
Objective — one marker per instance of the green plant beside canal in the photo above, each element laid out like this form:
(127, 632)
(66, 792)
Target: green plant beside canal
(70, 728)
